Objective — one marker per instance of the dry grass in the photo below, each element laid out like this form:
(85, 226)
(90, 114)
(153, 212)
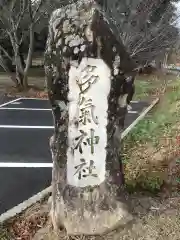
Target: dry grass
(25, 225)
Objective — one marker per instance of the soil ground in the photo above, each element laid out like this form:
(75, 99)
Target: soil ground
(36, 82)
(152, 171)
(155, 218)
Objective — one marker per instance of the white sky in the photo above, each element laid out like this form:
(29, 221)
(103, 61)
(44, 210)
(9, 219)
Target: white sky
(178, 12)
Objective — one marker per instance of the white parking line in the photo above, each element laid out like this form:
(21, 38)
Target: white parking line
(135, 101)
(25, 165)
(132, 111)
(27, 127)
(43, 99)
(15, 103)
(7, 103)
(26, 109)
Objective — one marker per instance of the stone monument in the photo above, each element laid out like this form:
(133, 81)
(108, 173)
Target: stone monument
(86, 68)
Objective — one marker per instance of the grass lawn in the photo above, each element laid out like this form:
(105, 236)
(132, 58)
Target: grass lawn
(153, 146)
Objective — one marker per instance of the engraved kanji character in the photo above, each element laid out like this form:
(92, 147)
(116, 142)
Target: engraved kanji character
(86, 84)
(87, 79)
(93, 140)
(87, 111)
(90, 169)
(83, 171)
(79, 141)
(89, 69)
(79, 168)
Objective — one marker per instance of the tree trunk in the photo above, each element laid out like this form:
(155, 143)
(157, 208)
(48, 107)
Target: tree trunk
(85, 69)
(19, 68)
(29, 56)
(19, 61)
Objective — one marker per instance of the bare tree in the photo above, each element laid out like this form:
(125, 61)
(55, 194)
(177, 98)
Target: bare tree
(147, 28)
(154, 41)
(19, 19)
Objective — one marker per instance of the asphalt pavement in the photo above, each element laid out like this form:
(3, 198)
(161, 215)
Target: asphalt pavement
(25, 160)
(137, 108)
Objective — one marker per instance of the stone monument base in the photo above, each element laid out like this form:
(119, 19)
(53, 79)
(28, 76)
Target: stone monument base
(85, 215)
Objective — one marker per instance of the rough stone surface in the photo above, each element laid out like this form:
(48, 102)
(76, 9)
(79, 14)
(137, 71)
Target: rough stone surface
(77, 31)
